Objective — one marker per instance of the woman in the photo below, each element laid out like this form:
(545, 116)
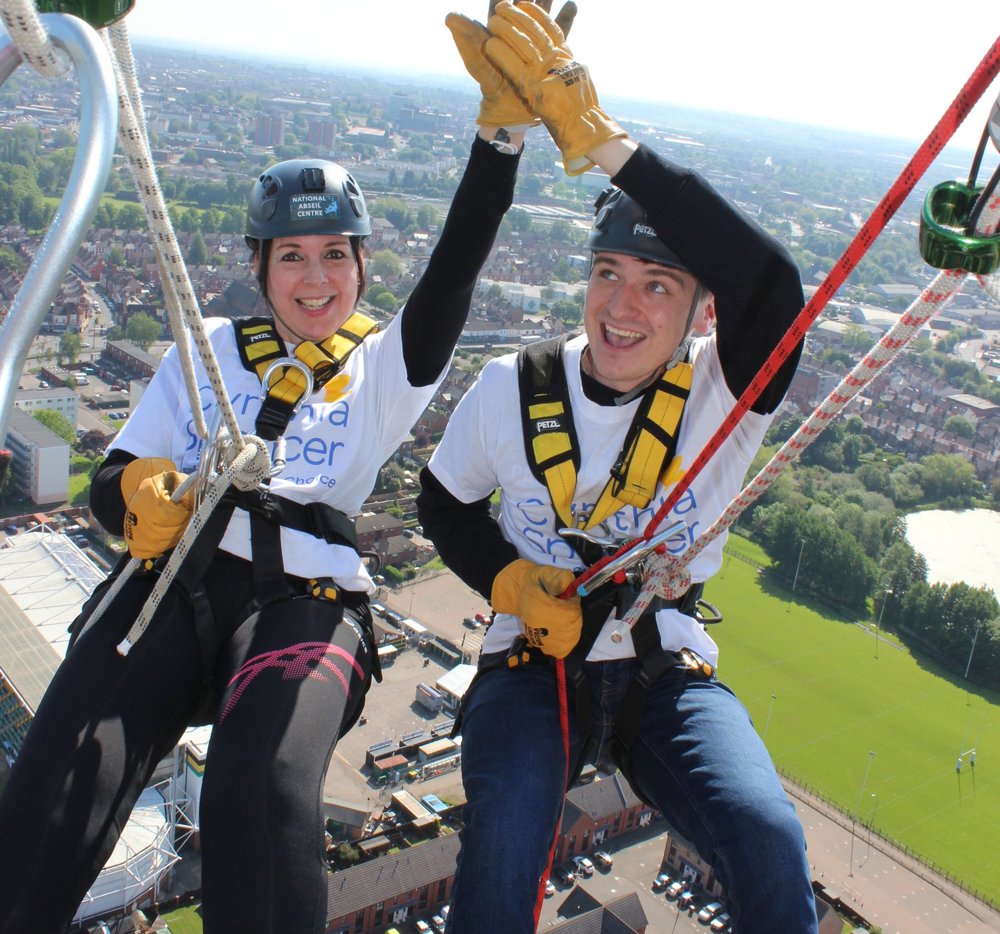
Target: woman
(266, 631)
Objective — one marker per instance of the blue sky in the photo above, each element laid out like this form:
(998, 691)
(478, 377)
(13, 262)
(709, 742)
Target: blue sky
(888, 67)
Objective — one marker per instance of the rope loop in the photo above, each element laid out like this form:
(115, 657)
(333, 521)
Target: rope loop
(255, 464)
(28, 33)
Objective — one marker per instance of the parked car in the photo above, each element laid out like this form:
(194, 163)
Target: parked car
(688, 900)
(709, 911)
(675, 889)
(661, 882)
(438, 923)
(564, 875)
(421, 926)
(584, 866)
(550, 889)
(721, 923)
(603, 860)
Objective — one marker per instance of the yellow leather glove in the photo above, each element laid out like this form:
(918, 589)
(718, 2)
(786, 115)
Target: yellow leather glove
(531, 591)
(500, 105)
(154, 523)
(530, 50)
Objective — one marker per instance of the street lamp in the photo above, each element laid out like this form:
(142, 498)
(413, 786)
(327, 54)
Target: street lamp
(878, 622)
(767, 722)
(857, 807)
(798, 564)
(871, 820)
(968, 664)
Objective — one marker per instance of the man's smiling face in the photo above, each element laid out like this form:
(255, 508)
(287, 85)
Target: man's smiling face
(635, 316)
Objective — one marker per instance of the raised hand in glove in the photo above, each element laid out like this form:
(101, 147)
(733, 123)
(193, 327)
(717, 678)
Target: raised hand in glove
(500, 105)
(531, 591)
(530, 49)
(154, 523)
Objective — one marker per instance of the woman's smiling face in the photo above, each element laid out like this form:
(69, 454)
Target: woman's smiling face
(312, 285)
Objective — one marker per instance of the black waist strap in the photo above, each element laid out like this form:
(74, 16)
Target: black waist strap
(317, 519)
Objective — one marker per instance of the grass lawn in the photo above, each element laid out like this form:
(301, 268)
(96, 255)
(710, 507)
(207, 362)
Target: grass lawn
(184, 920)
(834, 702)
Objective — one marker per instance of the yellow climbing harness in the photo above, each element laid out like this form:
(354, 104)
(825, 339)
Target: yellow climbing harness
(260, 347)
(553, 451)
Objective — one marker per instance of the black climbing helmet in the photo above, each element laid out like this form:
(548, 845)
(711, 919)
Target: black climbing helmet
(620, 226)
(305, 196)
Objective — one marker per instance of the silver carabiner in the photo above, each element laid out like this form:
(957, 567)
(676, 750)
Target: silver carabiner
(278, 461)
(210, 463)
(295, 364)
(605, 542)
(635, 554)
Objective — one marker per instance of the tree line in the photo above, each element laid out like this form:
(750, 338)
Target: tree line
(833, 527)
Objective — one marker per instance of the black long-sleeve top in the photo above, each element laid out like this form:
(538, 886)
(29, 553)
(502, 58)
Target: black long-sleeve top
(758, 293)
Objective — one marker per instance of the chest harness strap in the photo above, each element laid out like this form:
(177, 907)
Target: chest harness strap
(260, 345)
(553, 451)
(647, 456)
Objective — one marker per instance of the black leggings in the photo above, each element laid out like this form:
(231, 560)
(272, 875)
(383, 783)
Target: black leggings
(283, 683)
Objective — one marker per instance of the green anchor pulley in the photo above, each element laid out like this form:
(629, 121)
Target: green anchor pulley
(948, 238)
(98, 13)
(945, 241)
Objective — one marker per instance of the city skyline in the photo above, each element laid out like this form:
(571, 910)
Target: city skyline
(863, 67)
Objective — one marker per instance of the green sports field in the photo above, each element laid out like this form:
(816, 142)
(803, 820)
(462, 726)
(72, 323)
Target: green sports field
(834, 703)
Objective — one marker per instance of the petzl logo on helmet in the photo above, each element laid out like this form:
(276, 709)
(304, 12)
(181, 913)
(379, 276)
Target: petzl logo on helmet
(643, 230)
(546, 424)
(309, 207)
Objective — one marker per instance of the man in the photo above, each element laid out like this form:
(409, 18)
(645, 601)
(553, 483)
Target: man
(591, 434)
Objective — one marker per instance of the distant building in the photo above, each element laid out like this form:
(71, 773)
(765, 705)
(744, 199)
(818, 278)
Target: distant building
(40, 459)
(270, 130)
(321, 135)
(62, 400)
(44, 579)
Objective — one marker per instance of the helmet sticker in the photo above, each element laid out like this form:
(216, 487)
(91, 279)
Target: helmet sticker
(306, 207)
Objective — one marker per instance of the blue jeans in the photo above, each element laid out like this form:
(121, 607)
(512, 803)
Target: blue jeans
(696, 758)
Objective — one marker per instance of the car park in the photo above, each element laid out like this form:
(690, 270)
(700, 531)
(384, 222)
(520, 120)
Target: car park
(603, 860)
(583, 865)
(675, 889)
(709, 911)
(721, 923)
(661, 881)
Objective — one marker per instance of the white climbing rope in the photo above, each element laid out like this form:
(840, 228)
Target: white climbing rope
(32, 41)
(246, 458)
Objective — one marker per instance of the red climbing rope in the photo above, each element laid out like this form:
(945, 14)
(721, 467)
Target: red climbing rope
(959, 109)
